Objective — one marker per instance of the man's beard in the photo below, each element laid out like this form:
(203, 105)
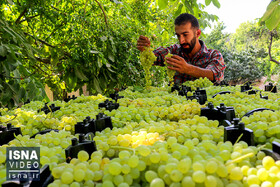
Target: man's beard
(191, 46)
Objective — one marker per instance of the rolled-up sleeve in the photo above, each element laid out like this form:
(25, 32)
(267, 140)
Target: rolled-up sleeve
(217, 66)
(161, 52)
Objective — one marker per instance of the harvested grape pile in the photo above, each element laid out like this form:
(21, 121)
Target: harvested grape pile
(158, 139)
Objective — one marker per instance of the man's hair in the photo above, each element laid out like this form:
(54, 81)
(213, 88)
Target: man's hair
(185, 18)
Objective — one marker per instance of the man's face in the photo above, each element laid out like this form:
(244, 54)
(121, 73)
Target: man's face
(187, 37)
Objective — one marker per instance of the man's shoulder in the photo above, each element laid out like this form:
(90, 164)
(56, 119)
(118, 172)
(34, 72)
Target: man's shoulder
(211, 52)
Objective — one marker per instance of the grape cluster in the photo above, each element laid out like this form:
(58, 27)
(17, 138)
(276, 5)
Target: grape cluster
(198, 83)
(147, 59)
(243, 103)
(265, 126)
(170, 73)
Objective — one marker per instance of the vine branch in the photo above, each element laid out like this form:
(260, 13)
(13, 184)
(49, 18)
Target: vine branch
(42, 41)
(28, 18)
(105, 17)
(20, 16)
(269, 49)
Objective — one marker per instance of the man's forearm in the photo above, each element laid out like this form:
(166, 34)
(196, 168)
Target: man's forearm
(197, 72)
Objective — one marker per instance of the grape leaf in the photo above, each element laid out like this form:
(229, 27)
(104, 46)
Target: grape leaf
(96, 85)
(3, 51)
(207, 2)
(80, 74)
(270, 8)
(179, 10)
(274, 20)
(162, 4)
(216, 3)
(188, 6)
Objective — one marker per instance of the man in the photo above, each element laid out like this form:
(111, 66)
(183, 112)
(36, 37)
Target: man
(191, 59)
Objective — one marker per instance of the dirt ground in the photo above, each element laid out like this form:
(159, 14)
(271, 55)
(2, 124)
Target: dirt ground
(261, 83)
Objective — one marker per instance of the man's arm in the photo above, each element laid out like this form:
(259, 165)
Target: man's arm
(214, 70)
(179, 64)
(217, 66)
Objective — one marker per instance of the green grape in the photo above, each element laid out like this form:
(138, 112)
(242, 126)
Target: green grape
(222, 171)
(89, 175)
(123, 184)
(176, 175)
(236, 173)
(188, 182)
(83, 156)
(133, 161)
(211, 167)
(135, 173)
(184, 165)
(198, 176)
(124, 154)
(75, 184)
(150, 175)
(268, 162)
(253, 179)
(141, 165)
(108, 184)
(210, 181)
(157, 182)
(197, 166)
(115, 168)
(267, 184)
(118, 179)
(262, 174)
(67, 177)
(128, 179)
(125, 169)
(155, 157)
(169, 167)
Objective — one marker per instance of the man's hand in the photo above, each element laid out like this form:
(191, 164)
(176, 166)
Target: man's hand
(143, 42)
(178, 64)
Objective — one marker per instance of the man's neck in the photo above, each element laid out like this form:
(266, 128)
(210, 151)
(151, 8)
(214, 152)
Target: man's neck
(196, 48)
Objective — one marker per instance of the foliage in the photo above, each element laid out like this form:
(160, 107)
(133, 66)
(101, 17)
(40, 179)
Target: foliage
(271, 17)
(17, 84)
(91, 42)
(243, 65)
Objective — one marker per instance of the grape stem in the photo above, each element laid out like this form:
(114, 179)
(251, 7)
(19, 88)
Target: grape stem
(249, 155)
(15, 115)
(239, 138)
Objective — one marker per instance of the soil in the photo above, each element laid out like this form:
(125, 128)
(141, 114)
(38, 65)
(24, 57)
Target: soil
(262, 82)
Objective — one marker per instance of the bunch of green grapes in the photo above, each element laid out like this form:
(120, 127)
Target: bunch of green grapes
(265, 125)
(170, 73)
(243, 103)
(147, 59)
(146, 93)
(199, 83)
